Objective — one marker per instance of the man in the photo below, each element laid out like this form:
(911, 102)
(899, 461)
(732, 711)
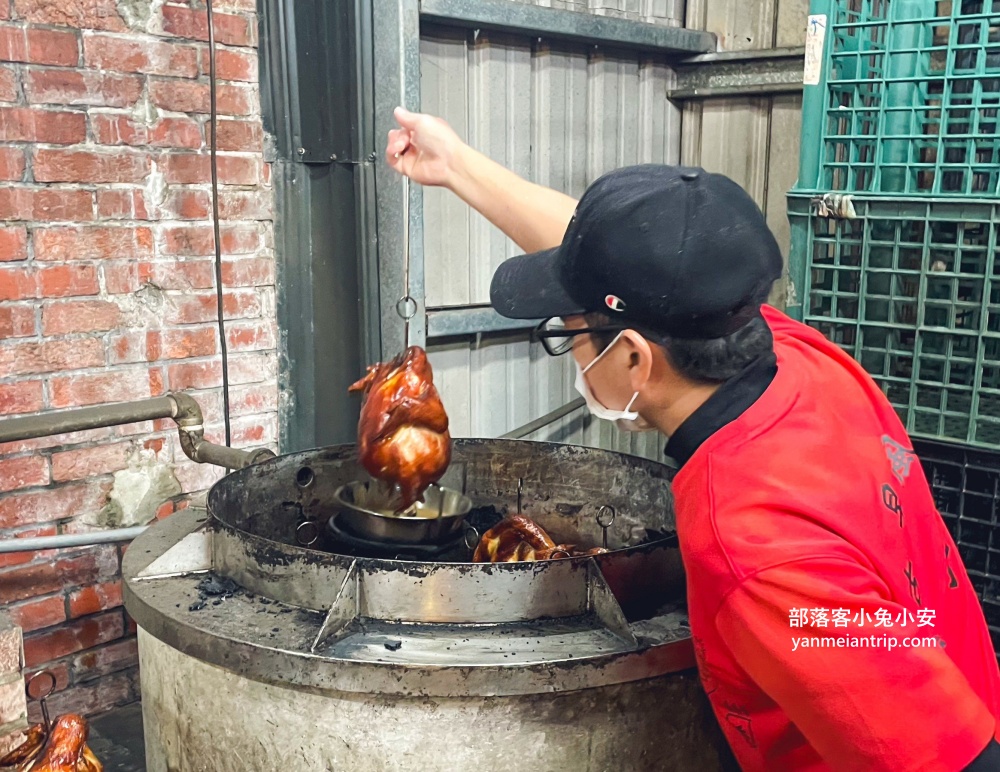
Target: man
(834, 624)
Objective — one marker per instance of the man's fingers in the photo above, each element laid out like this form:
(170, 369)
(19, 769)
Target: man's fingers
(405, 118)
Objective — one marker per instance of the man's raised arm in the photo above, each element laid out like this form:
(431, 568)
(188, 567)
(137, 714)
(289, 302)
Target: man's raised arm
(428, 151)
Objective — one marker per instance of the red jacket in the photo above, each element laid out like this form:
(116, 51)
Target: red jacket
(815, 555)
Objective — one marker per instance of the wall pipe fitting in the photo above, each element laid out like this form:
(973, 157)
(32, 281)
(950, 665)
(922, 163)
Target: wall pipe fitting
(182, 408)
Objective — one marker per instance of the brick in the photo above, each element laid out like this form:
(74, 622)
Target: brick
(10, 646)
(232, 65)
(204, 308)
(88, 462)
(240, 135)
(54, 441)
(17, 321)
(83, 634)
(127, 349)
(115, 204)
(93, 243)
(244, 205)
(248, 272)
(39, 614)
(63, 281)
(24, 472)
(81, 14)
(20, 558)
(38, 46)
(195, 375)
(18, 284)
(94, 697)
(51, 356)
(43, 204)
(151, 57)
(81, 87)
(54, 127)
(13, 703)
(80, 316)
(20, 397)
(187, 97)
(57, 165)
(192, 24)
(252, 367)
(167, 132)
(46, 506)
(179, 274)
(8, 84)
(185, 344)
(121, 277)
(103, 661)
(94, 599)
(194, 168)
(256, 398)
(11, 164)
(181, 204)
(197, 240)
(5, 9)
(13, 243)
(121, 386)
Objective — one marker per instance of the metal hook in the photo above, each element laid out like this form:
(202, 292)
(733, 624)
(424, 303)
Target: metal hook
(303, 540)
(520, 486)
(605, 517)
(42, 693)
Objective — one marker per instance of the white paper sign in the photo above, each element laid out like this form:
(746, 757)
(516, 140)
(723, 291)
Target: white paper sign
(815, 37)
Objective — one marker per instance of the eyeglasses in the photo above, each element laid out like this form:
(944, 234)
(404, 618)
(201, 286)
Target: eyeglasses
(557, 339)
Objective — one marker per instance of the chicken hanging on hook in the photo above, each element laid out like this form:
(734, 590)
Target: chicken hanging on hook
(403, 436)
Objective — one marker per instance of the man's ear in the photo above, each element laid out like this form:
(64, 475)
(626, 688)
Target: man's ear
(640, 359)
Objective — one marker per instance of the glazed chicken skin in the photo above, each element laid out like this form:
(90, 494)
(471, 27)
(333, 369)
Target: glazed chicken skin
(403, 436)
(518, 538)
(66, 749)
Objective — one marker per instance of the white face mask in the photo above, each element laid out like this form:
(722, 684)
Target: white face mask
(627, 420)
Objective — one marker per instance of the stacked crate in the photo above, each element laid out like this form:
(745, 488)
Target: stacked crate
(896, 233)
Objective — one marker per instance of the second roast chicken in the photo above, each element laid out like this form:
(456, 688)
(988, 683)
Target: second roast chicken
(517, 538)
(403, 437)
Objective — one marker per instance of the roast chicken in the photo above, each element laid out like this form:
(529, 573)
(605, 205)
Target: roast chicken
(518, 538)
(65, 749)
(403, 437)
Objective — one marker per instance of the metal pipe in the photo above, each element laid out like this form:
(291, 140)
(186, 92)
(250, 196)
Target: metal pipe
(66, 540)
(83, 418)
(545, 420)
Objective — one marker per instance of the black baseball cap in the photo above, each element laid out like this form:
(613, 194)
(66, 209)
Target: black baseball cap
(678, 250)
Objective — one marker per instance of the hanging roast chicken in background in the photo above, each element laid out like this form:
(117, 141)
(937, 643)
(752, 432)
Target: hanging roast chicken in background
(403, 435)
(64, 749)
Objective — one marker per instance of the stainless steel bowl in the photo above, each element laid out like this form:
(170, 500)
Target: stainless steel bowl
(365, 509)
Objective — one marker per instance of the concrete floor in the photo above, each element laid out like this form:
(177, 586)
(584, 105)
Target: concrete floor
(117, 741)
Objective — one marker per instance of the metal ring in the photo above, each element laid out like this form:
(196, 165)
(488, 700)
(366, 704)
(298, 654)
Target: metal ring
(557, 554)
(605, 516)
(303, 541)
(406, 307)
(471, 537)
(43, 691)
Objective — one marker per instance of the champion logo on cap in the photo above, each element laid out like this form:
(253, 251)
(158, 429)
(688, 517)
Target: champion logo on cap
(614, 302)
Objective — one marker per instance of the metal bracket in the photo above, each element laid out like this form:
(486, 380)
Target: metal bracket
(739, 73)
(343, 611)
(602, 603)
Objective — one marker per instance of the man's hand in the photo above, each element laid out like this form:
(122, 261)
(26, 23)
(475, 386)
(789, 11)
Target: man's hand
(424, 148)
(428, 151)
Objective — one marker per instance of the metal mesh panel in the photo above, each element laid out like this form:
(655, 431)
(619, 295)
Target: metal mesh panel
(911, 289)
(912, 92)
(966, 485)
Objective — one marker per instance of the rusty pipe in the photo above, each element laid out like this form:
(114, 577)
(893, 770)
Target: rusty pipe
(181, 407)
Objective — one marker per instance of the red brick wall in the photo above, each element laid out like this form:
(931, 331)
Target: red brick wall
(107, 293)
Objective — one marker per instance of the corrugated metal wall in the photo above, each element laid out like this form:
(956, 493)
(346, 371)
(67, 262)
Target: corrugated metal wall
(754, 140)
(561, 115)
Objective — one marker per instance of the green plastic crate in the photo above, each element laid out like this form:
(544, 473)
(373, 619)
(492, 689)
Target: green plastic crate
(908, 98)
(911, 289)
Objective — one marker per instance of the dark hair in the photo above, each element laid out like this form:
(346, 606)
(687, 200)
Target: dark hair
(702, 361)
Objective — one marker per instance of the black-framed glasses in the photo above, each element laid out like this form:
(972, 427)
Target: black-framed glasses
(557, 339)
